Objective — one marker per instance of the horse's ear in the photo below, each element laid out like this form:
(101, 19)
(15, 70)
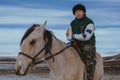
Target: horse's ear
(42, 26)
(45, 23)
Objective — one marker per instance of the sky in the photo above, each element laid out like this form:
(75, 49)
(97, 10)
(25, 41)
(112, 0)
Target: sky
(16, 16)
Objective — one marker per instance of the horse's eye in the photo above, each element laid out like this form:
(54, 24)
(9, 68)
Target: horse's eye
(32, 42)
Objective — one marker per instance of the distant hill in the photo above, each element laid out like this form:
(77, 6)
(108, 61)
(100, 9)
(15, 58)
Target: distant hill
(112, 64)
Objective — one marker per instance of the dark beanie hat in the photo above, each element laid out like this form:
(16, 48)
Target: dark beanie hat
(79, 7)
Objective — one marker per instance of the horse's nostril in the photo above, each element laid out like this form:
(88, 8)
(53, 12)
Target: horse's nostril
(16, 72)
(19, 67)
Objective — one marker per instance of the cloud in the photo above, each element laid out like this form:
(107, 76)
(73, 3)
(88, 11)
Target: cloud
(104, 13)
(10, 40)
(11, 36)
(107, 40)
(105, 16)
(108, 35)
(19, 15)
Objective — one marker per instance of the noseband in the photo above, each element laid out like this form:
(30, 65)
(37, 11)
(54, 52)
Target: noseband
(33, 58)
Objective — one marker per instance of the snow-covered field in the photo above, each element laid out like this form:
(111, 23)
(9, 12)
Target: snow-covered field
(44, 77)
(27, 77)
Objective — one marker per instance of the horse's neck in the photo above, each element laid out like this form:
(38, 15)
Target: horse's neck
(57, 45)
(67, 57)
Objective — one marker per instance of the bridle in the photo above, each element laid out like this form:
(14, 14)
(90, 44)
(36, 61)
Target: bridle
(44, 48)
(49, 57)
(33, 58)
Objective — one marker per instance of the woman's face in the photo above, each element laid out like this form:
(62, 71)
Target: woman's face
(79, 14)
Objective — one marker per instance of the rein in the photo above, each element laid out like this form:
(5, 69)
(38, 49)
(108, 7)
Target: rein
(52, 55)
(44, 48)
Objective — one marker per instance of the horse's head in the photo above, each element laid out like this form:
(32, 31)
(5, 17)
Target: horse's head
(33, 47)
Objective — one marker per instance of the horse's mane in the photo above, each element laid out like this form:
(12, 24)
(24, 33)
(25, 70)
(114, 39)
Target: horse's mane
(48, 40)
(47, 35)
(27, 33)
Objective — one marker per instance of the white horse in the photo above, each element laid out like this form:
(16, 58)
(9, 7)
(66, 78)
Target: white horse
(63, 60)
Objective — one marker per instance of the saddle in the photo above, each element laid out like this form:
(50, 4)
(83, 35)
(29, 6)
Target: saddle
(78, 47)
